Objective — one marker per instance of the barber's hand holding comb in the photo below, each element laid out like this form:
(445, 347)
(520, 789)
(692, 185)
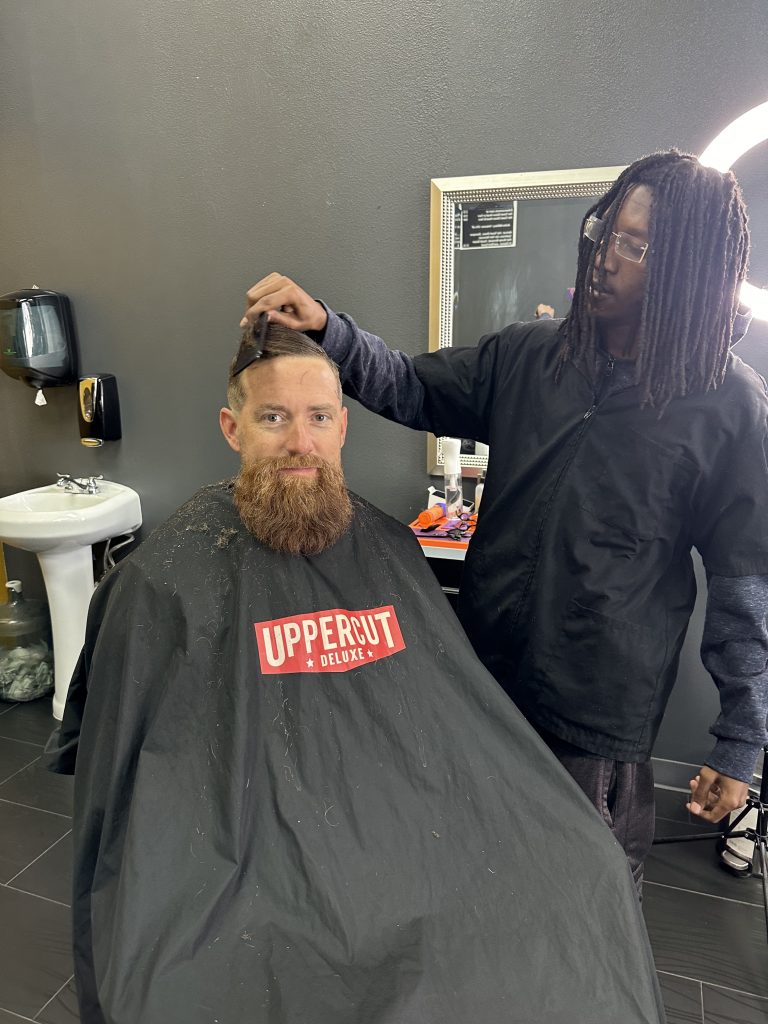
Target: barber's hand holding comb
(285, 302)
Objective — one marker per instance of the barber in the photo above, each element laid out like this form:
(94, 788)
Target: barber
(620, 438)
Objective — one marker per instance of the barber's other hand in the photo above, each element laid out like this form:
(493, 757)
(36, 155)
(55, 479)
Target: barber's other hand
(544, 310)
(285, 302)
(714, 795)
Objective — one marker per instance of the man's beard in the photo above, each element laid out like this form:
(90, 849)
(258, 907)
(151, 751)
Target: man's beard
(295, 514)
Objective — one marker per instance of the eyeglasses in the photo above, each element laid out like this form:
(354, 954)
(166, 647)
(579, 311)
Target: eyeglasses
(625, 246)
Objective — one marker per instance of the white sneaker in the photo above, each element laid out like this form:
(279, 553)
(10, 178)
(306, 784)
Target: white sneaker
(736, 852)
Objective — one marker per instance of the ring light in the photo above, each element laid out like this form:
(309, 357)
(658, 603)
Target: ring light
(738, 138)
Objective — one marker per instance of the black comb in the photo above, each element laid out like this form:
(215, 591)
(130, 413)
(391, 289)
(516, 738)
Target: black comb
(252, 345)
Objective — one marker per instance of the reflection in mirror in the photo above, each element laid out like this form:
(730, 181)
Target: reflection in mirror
(501, 245)
(497, 284)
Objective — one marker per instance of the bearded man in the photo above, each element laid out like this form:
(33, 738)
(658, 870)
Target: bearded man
(299, 797)
(288, 425)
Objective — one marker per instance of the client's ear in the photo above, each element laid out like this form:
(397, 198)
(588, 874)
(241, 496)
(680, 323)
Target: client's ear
(228, 424)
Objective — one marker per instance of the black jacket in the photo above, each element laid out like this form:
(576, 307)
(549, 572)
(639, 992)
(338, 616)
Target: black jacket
(578, 585)
(581, 560)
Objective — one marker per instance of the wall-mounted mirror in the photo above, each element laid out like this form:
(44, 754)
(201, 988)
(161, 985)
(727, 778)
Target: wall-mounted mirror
(500, 245)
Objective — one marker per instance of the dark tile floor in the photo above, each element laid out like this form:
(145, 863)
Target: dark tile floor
(35, 864)
(707, 928)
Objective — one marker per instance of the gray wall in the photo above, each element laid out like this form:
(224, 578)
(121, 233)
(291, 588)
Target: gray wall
(158, 158)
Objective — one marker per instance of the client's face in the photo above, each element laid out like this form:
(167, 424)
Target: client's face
(290, 492)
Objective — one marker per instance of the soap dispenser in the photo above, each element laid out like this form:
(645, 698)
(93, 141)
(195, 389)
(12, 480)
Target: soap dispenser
(98, 410)
(37, 338)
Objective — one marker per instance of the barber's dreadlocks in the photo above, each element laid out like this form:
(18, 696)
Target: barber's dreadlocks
(697, 258)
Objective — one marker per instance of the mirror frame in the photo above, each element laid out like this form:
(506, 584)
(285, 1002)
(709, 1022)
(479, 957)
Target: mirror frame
(445, 194)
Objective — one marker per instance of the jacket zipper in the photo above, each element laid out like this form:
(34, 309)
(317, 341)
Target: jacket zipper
(607, 374)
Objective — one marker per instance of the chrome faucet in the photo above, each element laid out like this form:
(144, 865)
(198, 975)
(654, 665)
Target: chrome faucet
(86, 485)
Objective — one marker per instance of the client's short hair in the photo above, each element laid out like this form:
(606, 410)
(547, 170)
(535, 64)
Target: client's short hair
(276, 341)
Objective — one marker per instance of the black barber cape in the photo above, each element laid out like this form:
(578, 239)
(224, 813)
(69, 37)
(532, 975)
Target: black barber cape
(301, 799)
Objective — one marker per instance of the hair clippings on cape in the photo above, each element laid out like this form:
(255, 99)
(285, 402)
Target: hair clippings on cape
(252, 345)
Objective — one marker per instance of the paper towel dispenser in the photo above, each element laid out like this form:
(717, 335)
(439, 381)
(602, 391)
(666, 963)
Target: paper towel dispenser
(37, 338)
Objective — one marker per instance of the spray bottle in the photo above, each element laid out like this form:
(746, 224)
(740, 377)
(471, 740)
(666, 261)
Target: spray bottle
(481, 450)
(454, 499)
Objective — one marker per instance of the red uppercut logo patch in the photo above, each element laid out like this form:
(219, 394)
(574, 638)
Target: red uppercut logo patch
(331, 641)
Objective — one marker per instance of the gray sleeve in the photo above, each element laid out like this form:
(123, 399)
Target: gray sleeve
(734, 650)
(449, 392)
(380, 378)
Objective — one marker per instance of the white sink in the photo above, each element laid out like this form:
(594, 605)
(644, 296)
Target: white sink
(60, 526)
(50, 517)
